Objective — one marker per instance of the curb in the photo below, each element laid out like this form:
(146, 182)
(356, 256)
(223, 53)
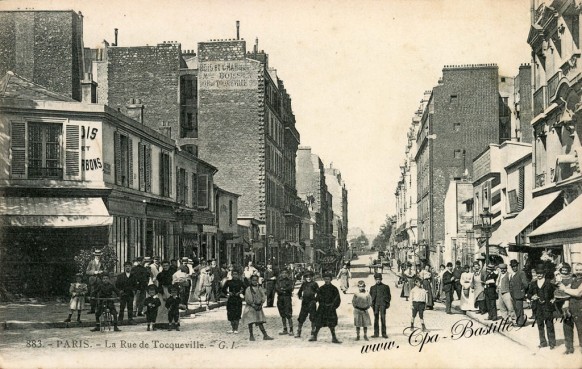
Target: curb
(22, 325)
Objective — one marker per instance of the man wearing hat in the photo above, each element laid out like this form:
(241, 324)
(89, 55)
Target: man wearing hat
(126, 283)
(380, 302)
(491, 292)
(269, 280)
(94, 271)
(541, 294)
(448, 282)
(326, 315)
(517, 288)
(575, 293)
(141, 274)
(504, 302)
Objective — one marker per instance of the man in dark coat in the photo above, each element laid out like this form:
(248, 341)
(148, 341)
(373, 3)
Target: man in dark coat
(575, 292)
(457, 283)
(491, 292)
(448, 285)
(126, 284)
(329, 300)
(216, 272)
(269, 281)
(541, 294)
(380, 302)
(517, 288)
(307, 294)
(142, 276)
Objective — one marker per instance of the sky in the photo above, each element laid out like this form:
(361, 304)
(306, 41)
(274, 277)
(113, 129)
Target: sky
(356, 70)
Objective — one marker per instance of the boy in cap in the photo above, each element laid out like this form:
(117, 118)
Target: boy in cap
(380, 302)
(78, 290)
(152, 303)
(307, 294)
(418, 297)
(106, 291)
(329, 300)
(173, 305)
(284, 288)
(361, 303)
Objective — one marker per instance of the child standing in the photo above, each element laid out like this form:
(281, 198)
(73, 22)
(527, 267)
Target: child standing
(253, 314)
(418, 296)
(284, 287)
(307, 294)
(173, 306)
(562, 298)
(78, 290)
(234, 290)
(361, 303)
(205, 285)
(152, 303)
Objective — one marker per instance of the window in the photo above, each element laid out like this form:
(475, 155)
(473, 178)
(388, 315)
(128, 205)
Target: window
(165, 174)
(458, 154)
(456, 127)
(44, 150)
(181, 185)
(502, 79)
(145, 167)
(123, 160)
(36, 150)
(520, 199)
(454, 99)
(513, 202)
(203, 191)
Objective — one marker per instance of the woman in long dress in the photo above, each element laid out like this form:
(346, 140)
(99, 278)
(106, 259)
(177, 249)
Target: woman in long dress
(408, 279)
(426, 277)
(344, 276)
(467, 292)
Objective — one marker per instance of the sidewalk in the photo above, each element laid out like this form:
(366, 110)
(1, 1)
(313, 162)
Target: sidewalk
(44, 315)
(526, 336)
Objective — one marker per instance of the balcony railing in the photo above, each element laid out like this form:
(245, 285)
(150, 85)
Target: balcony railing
(539, 98)
(541, 180)
(36, 172)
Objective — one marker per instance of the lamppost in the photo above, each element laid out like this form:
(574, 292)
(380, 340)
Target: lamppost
(470, 247)
(486, 218)
(268, 241)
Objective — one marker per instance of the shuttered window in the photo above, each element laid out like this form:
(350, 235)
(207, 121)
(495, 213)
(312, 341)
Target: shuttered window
(165, 173)
(203, 192)
(194, 190)
(72, 157)
(145, 167)
(123, 152)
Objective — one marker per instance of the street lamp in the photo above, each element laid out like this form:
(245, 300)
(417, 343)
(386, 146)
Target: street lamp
(486, 218)
(268, 241)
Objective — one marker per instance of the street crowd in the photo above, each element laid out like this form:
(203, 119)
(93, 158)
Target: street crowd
(553, 292)
(160, 289)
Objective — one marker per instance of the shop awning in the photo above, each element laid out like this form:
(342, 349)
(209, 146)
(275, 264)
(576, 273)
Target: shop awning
(53, 212)
(510, 228)
(564, 227)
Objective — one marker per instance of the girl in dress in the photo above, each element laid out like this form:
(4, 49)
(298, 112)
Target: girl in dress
(344, 275)
(361, 303)
(78, 290)
(407, 277)
(253, 314)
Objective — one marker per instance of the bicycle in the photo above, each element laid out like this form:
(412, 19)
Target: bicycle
(106, 318)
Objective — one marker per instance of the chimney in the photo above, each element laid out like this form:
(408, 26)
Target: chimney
(237, 30)
(115, 43)
(134, 110)
(88, 89)
(256, 47)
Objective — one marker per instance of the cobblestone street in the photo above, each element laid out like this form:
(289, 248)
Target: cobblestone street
(203, 340)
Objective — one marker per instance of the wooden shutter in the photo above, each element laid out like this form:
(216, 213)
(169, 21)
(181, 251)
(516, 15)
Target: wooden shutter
(129, 162)
(141, 165)
(521, 196)
(203, 191)
(117, 157)
(18, 150)
(72, 157)
(194, 190)
(169, 175)
(148, 168)
(178, 193)
(162, 175)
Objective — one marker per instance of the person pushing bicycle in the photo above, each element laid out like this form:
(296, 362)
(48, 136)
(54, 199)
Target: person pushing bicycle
(105, 295)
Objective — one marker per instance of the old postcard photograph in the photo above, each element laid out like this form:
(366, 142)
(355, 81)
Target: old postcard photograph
(290, 184)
